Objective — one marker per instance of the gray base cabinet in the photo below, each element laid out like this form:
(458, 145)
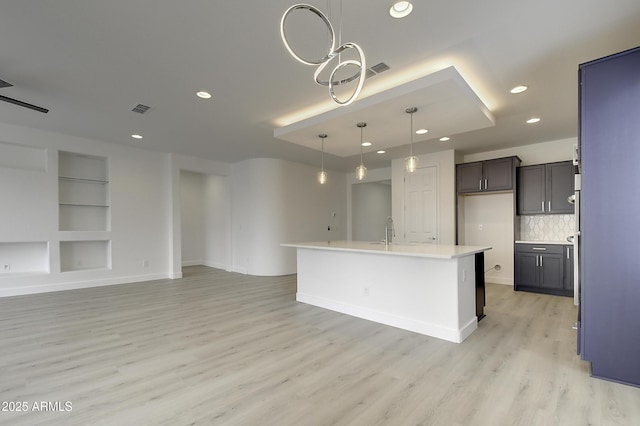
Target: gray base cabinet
(542, 268)
(568, 269)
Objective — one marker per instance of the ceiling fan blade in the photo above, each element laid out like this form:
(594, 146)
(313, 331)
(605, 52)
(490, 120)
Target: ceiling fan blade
(23, 104)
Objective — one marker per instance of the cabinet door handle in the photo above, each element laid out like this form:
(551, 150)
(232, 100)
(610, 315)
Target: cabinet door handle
(539, 248)
(549, 206)
(542, 208)
(480, 184)
(536, 260)
(541, 261)
(568, 253)
(485, 184)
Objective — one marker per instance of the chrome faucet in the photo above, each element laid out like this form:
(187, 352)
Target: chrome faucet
(389, 231)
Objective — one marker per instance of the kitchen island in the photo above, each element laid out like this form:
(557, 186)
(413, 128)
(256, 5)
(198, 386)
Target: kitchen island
(424, 288)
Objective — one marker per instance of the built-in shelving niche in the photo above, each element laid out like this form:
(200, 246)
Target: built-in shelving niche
(24, 258)
(84, 203)
(85, 255)
(83, 192)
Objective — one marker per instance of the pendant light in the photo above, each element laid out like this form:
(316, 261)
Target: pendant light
(322, 175)
(361, 170)
(412, 161)
(334, 50)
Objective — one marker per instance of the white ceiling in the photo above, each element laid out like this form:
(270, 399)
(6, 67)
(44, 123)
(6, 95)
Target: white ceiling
(90, 62)
(446, 105)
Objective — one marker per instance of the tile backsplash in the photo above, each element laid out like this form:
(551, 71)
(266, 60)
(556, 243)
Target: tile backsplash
(552, 227)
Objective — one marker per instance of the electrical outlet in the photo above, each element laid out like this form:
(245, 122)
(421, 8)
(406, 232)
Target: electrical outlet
(145, 263)
(366, 291)
(7, 267)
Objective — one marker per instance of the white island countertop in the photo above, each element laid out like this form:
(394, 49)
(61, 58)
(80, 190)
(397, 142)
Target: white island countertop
(435, 251)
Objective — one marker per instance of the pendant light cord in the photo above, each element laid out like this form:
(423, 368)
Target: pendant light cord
(361, 161)
(411, 134)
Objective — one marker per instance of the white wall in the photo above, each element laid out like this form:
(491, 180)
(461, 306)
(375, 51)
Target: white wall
(243, 212)
(204, 203)
(276, 201)
(138, 198)
(445, 161)
(371, 204)
(489, 221)
(374, 175)
(192, 205)
(212, 171)
(217, 222)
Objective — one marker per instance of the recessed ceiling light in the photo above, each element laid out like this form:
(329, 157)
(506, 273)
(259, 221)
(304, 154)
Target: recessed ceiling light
(136, 136)
(421, 131)
(204, 95)
(400, 9)
(533, 120)
(382, 151)
(366, 143)
(519, 89)
(445, 138)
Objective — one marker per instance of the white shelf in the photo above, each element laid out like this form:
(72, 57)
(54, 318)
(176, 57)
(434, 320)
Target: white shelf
(76, 179)
(24, 258)
(84, 205)
(82, 167)
(85, 255)
(83, 192)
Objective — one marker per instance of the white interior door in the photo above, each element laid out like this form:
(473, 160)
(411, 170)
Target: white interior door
(421, 205)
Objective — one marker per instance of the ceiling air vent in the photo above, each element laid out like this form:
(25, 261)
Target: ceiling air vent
(141, 109)
(376, 69)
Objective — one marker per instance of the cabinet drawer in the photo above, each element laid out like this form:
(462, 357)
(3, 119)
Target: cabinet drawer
(540, 248)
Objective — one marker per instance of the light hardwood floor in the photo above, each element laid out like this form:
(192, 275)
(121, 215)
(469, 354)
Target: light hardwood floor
(229, 349)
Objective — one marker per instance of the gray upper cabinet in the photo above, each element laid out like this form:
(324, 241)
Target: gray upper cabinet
(560, 185)
(469, 177)
(531, 189)
(544, 188)
(487, 176)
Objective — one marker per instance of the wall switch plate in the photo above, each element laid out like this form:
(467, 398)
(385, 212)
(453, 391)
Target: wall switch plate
(7, 267)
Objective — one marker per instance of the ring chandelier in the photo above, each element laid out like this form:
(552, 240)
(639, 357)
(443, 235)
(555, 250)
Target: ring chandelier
(331, 54)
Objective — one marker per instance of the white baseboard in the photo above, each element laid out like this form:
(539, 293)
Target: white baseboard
(217, 265)
(240, 270)
(192, 262)
(429, 329)
(499, 280)
(74, 285)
